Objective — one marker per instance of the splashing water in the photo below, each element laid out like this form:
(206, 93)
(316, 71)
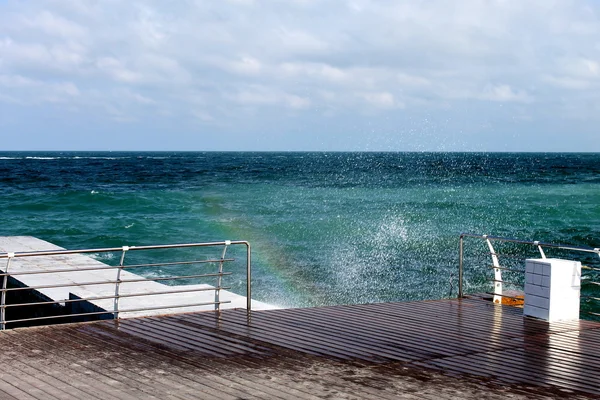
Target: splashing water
(326, 228)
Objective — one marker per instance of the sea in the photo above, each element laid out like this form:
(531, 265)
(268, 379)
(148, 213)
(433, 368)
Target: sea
(325, 227)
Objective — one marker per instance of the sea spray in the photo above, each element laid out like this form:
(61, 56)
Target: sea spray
(326, 228)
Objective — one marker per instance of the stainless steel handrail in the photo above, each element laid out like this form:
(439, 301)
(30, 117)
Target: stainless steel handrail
(43, 271)
(116, 249)
(115, 282)
(539, 245)
(10, 257)
(533, 242)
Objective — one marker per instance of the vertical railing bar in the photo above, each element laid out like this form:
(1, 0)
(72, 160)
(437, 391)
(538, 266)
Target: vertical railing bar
(541, 250)
(118, 282)
(248, 277)
(460, 266)
(4, 286)
(220, 277)
(497, 273)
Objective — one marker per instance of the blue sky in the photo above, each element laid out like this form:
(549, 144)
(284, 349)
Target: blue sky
(469, 75)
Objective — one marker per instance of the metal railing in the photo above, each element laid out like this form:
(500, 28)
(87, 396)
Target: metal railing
(13, 282)
(512, 261)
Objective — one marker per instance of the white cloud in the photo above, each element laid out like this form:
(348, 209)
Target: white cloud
(505, 93)
(297, 102)
(246, 66)
(67, 88)
(16, 81)
(242, 2)
(314, 71)
(135, 97)
(405, 79)
(582, 68)
(13, 53)
(261, 95)
(54, 25)
(382, 99)
(4, 98)
(566, 82)
(203, 116)
(257, 96)
(16, 56)
(299, 41)
(26, 91)
(149, 29)
(115, 69)
(207, 60)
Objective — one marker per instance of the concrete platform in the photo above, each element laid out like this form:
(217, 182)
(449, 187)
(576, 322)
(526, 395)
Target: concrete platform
(83, 290)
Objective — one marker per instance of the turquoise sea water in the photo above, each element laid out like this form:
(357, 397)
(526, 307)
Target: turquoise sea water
(326, 228)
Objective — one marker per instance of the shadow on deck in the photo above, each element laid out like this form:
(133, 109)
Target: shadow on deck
(442, 349)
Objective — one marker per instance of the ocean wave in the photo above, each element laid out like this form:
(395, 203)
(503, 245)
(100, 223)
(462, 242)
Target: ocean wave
(102, 256)
(64, 158)
(396, 237)
(98, 158)
(10, 158)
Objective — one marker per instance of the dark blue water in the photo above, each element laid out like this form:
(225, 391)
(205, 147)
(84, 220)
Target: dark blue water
(326, 228)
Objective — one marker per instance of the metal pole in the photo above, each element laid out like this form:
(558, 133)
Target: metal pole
(248, 277)
(220, 278)
(460, 267)
(4, 285)
(118, 282)
(539, 246)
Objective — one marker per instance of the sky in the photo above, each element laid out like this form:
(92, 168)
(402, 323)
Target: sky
(300, 75)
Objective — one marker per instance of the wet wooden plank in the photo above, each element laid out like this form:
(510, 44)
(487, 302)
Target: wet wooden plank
(352, 351)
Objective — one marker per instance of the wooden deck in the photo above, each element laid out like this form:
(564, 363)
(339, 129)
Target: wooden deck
(443, 349)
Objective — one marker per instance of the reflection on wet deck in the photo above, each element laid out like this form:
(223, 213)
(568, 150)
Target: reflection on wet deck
(389, 350)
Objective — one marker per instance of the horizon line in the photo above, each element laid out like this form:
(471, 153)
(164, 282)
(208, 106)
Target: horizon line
(306, 151)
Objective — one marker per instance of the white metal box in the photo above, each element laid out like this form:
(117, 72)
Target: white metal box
(552, 289)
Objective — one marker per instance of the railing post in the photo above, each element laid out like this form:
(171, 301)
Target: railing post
(4, 285)
(118, 282)
(460, 266)
(220, 277)
(498, 291)
(539, 246)
(248, 277)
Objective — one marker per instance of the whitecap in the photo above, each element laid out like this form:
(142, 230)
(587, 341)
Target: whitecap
(102, 256)
(98, 158)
